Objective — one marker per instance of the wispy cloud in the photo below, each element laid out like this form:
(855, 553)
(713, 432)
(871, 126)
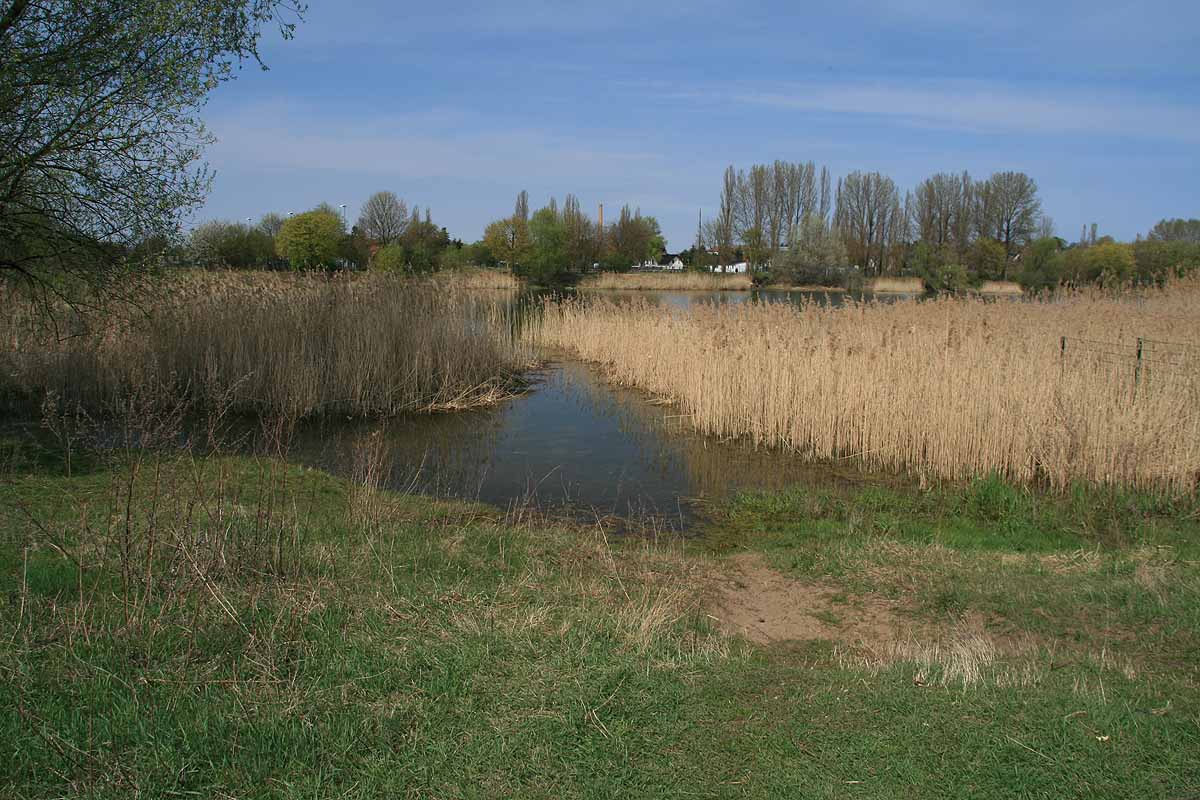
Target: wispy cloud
(438, 143)
(981, 107)
(384, 24)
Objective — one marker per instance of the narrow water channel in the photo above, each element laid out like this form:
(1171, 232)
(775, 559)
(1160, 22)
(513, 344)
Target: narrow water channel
(577, 443)
(573, 442)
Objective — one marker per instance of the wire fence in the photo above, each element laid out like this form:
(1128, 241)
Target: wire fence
(1142, 360)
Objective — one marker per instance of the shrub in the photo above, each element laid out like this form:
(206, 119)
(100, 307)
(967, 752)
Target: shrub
(390, 258)
(1108, 264)
(311, 240)
(1043, 265)
(228, 244)
(946, 278)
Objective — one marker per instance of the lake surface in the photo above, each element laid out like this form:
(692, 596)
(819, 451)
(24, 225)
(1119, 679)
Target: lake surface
(572, 442)
(575, 442)
(677, 299)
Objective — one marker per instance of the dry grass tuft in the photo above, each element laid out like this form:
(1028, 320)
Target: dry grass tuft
(1079, 562)
(1155, 571)
(966, 657)
(669, 281)
(652, 614)
(952, 388)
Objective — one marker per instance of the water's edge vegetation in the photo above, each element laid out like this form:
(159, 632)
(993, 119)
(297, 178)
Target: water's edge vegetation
(241, 626)
(1091, 386)
(265, 344)
(181, 620)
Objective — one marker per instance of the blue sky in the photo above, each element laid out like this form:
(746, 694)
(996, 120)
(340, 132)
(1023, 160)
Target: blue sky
(457, 106)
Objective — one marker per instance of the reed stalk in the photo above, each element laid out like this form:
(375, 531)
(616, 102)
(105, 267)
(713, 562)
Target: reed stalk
(291, 345)
(948, 388)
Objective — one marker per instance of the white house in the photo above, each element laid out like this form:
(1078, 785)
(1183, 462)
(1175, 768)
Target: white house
(668, 262)
(741, 266)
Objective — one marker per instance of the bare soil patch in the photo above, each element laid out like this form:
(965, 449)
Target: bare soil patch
(765, 606)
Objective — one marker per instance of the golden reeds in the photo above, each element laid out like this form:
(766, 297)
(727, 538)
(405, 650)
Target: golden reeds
(281, 344)
(896, 286)
(1001, 288)
(475, 278)
(949, 388)
(668, 281)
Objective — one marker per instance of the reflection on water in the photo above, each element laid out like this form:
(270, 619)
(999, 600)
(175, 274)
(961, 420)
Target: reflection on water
(686, 299)
(573, 441)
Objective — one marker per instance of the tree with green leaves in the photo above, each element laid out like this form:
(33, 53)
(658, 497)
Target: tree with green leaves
(1176, 230)
(100, 142)
(548, 244)
(1157, 260)
(988, 259)
(311, 240)
(817, 255)
(1107, 263)
(390, 258)
(581, 244)
(1042, 264)
(229, 244)
(631, 240)
(508, 240)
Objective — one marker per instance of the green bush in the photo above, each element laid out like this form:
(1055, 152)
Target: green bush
(391, 258)
(946, 278)
(1157, 261)
(1043, 266)
(311, 240)
(1109, 264)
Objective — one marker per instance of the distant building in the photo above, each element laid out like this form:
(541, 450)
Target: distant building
(739, 267)
(666, 261)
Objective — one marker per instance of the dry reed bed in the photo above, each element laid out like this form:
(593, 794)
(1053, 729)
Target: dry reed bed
(896, 285)
(948, 388)
(472, 278)
(667, 281)
(285, 344)
(1001, 288)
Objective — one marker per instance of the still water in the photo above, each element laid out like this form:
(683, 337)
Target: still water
(572, 442)
(688, 299)
(575, 442)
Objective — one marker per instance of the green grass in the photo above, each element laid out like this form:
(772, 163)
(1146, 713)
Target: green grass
(352, 643)
(1095, 574)
(986, 515)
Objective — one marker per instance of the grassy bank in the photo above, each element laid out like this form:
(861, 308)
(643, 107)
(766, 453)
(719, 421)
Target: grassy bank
(241, 627)
(270, 343)
(668, 281)
(948, 388)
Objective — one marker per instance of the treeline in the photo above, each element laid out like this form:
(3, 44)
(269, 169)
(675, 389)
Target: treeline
(553, 240)
(793, 223)
(789, 222)
(387, 236)
(541, 245)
